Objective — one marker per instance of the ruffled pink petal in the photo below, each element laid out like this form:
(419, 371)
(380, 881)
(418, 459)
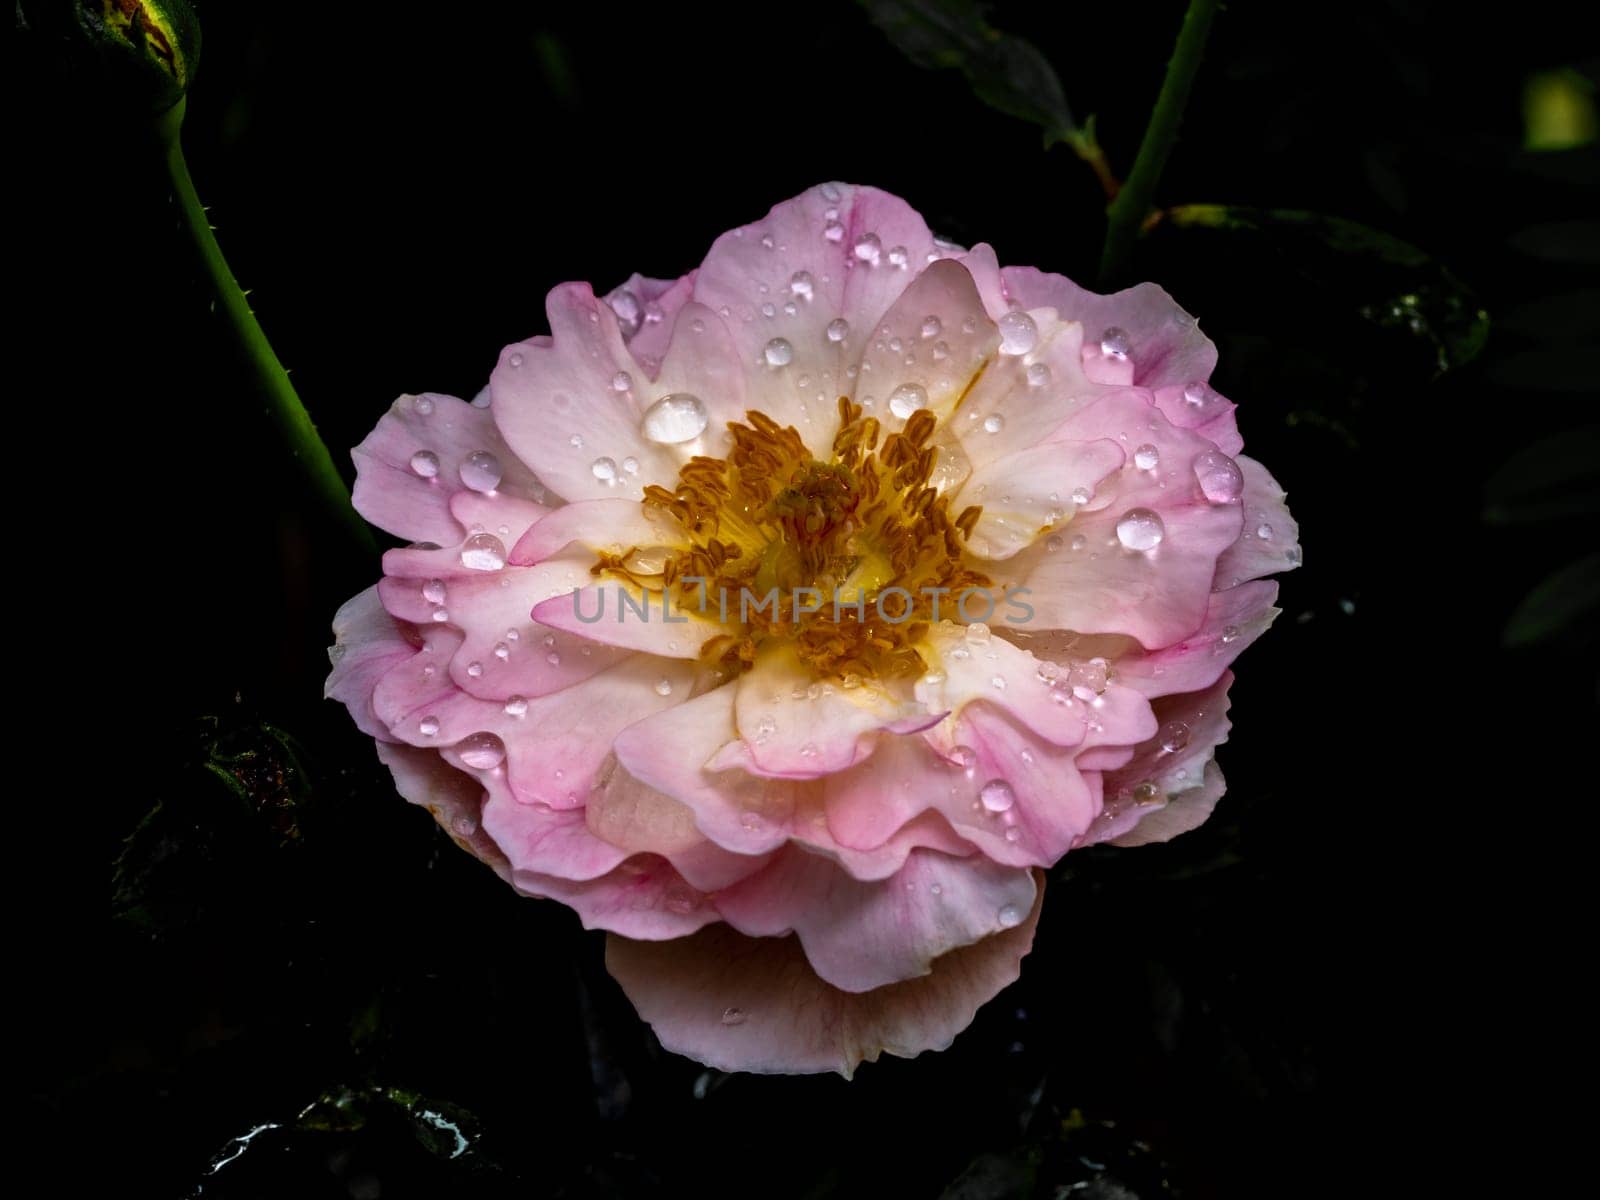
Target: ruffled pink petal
(615, 613)
(614, 525)
(755, 1004)
(1165, 345)
(1234, 619)
(367, 644)
(454, 799)
(859, 936)
(409, 467)
(1270, 540)
(503, 652)
(657, 302)
(834, 252)
(644, 898)
(1183, 811)
(1026, 494)
(1089, 581)
(935, 337)
(1201, 409)
(548, 841)
(560, 410)
(749, 815)
(791, 727)
(1005, 675)
(1008, 411)
(1170, 763)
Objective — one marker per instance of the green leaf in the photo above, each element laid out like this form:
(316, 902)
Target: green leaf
(1403, 287)
(1557, 604)
(1006, 72)
(1556, 477)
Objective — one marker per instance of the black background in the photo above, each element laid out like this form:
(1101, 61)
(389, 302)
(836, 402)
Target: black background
(1374, 923)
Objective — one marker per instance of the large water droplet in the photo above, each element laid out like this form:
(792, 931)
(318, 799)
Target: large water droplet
(483, 552)
(481, 751)
(994, 423)
(803, 285)
(1009, 916)
(516, 706)
(1147, 457)
(428, 726)
(629, 313)
(679, 417)
(604, 469)
(907, 399)
(997, 795)
(1115, 343)
(433, 591)
(1140, 529)
(869, 249)
(1018, 333)
(481, 471)
(663, 686)
(838, 329)
(1219, 476)
(425, 463)
(779, 353)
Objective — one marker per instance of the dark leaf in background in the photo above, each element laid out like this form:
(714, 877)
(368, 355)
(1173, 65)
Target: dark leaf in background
(1008, 73)
(1568, 599)
(1554, 478)
(1400, 287)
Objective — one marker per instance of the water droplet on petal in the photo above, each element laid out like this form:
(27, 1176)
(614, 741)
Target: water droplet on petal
(779, 353)
(869, 249)
(1264, 532)
(481, 751)
(802, 285)
(1115, 343)
(604, 469)
(931, 326)
(516, 706)
(675, 418)
(1018, 333)
(663, 686)
(481, 471)
(1219, 476)
(1147, 457)
(1038, 374)
(733, 1016)
(997, 796)
(964, 757)
(978, 633)
(1230, 633)
(833, 231)
(424, 404)
(1174, 736)
(907, 399)
(994, 423)
(483, 552)
(1009, 916)
(433, 591)
(838, 329)
(425, 463)
(630, 465)
(1140, 529)
(621, 381)
(428, 726)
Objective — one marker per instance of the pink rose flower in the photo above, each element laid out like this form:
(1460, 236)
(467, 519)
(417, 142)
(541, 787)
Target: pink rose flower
(817, 830)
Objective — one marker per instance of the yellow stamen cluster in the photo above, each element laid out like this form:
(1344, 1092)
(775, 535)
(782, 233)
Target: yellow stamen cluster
(772, 517)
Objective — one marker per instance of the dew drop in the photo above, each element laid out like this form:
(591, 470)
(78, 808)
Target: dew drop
(833, 231)
(483, 552)
(1264, 532)
(1140, 529)
(899, 256)
(433, 591)
(779, 353)
(1038, 374)
(997, 796)
(425, 463)
(803, 285)
(1147, 457)
(733, 1016)
(1018, 333)
(516, 706)
(838, 329)
(621, 381)
(1219, 476)
(869, 249)
(1009, 916)
(663, 686)
(481, 751)
(475, 670)
(428, 726)
(1115, 343)
(481, 471)
(931, 326)
(1174, 736)
(675, 418)
(604, 469)
(994, 423)
(907, 399)
(978, 633)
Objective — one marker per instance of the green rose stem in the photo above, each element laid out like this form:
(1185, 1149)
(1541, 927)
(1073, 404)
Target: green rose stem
(1127, 210)
(287, 413)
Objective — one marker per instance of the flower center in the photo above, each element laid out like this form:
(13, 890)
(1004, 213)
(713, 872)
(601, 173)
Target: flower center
(845, 559)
